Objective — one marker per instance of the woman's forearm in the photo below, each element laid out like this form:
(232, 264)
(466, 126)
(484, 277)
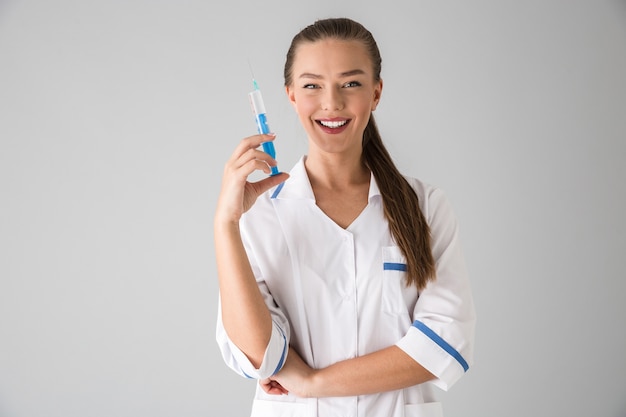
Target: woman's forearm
(385, 370)
(245, 316)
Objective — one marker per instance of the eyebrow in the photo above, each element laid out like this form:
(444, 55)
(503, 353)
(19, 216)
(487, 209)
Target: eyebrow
(343, 74)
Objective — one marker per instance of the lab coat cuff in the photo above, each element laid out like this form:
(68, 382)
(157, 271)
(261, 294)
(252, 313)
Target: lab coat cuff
(273, 359)
(434, 354)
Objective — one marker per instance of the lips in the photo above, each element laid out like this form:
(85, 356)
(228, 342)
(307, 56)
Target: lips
(334, 125)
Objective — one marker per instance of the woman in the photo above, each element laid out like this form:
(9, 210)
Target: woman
(343, 288)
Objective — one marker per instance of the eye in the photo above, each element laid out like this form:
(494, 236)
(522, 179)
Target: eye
(311, 86)
(352, 84)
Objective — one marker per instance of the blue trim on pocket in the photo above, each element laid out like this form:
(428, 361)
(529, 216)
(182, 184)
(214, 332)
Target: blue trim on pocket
(394, 266)
(277, 190)
(442, 343)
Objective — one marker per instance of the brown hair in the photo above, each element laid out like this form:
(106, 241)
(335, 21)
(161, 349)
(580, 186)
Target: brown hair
(401, 205)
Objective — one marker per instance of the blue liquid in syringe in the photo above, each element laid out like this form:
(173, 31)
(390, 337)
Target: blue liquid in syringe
(261, 121)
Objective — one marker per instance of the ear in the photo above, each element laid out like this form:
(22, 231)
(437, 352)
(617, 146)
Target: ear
(378, 91)
(291, 95)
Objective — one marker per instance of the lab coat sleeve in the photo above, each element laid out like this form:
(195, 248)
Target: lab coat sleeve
(277, 348)
(273, 360)
(441, 337)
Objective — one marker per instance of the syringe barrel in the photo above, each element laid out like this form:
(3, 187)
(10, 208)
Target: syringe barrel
(258, 107)
(261, 124)
(256, 100)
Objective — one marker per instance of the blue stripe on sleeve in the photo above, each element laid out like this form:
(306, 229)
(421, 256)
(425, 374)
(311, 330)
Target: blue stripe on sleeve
(393, 266)
(442, 343)
(282, 358)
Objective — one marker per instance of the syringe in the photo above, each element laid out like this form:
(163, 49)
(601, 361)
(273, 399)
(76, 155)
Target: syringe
(256, 100)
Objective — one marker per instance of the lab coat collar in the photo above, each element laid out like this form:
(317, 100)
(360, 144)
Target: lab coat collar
(298, 186)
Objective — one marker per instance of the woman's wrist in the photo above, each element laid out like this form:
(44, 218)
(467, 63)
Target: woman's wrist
(225, 224)
(313, 385)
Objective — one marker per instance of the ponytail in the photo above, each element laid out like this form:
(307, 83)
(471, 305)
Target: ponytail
(407, 223)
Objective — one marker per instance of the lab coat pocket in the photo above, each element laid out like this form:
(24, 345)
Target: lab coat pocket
(394, 289)
(268, 408)
(423, 410)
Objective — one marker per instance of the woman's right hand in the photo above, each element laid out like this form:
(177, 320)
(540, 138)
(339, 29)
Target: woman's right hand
(238, 194)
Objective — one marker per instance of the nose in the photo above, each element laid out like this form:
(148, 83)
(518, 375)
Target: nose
(332, 100)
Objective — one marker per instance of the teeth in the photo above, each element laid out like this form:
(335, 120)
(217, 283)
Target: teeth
(333, 125)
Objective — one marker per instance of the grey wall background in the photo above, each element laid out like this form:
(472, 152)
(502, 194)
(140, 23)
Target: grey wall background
(116, 118)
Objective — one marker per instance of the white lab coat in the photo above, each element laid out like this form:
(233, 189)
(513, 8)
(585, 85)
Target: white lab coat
(337, 293)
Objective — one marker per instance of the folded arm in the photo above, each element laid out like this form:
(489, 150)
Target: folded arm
(385, 370)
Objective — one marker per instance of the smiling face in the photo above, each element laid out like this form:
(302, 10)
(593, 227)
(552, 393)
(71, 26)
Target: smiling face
(334, 91)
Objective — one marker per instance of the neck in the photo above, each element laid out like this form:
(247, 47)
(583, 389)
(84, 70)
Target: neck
(336, 171)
